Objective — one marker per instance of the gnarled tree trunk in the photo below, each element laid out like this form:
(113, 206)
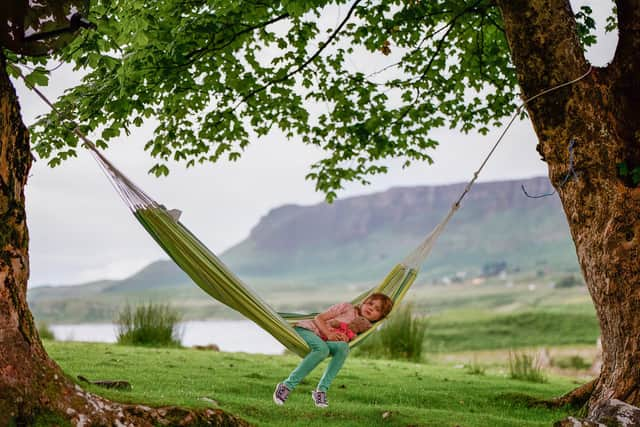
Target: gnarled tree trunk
(31, 384)
(599, 114)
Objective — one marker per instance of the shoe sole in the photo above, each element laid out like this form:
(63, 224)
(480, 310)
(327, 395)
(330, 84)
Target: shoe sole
(275, 398)
(277, 401)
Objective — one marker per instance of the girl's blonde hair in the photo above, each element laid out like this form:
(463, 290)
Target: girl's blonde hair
(386, 303)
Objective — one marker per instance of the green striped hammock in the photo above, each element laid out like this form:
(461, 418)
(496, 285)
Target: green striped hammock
(210, 273)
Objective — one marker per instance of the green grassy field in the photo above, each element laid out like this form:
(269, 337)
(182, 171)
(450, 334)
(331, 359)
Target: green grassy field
(471, 328)
(367, 392)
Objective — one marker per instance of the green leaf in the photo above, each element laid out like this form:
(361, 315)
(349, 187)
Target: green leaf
(37, 77)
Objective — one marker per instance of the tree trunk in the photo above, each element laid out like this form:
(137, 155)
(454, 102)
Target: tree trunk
(31, 384)
(598, 118)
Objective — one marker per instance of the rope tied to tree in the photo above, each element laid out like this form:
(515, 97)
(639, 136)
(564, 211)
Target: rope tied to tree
(513, 118)
(571, 173)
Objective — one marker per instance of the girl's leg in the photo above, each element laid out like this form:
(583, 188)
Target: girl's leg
(319, 352)
(339, 351)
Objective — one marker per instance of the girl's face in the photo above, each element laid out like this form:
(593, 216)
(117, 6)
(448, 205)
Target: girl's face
(371, 309)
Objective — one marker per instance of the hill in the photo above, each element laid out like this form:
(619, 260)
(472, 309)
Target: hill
(360, 238)
(354, 241)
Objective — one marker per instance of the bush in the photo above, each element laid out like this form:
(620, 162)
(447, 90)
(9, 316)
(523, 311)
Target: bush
(400, 337)
(45, 332)
(525, 367)
(149, 325)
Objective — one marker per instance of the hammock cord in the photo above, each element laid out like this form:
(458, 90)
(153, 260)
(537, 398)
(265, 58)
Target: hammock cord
(417, 257)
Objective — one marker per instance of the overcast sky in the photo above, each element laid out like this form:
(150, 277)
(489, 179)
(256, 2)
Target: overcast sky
(81, 231)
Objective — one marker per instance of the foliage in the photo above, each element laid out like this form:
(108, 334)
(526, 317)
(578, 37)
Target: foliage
(45, 332)
(426, 394)
(400, 337)
(526, 367)
(630, 174)
(585, 26)
(490, 269)
(364, 83)
(149, 325)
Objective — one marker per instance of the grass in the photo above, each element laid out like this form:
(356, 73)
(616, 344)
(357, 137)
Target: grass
(456, 331)
(367, 392)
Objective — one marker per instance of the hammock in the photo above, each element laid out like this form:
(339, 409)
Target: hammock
(213, 277)
(210, 273)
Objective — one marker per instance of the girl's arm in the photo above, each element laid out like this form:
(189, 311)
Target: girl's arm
(322, 322)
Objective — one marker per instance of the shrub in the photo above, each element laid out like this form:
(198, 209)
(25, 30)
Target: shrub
(525, 367)
(45, 332)
(149, 325)
(400, 337)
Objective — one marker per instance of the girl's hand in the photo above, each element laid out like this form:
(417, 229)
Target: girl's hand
(337, 336)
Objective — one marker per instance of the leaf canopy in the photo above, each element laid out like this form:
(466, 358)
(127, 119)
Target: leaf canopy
(365, 81)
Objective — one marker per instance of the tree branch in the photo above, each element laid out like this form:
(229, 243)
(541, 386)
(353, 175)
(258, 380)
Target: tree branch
(307, 62)
(208, 49)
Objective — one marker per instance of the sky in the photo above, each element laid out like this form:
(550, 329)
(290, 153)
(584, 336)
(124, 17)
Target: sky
(81, 231)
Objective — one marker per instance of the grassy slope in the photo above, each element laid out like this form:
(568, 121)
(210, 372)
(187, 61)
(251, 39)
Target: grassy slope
(412, 394)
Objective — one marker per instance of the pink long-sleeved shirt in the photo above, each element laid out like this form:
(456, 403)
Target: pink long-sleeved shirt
(342, 312)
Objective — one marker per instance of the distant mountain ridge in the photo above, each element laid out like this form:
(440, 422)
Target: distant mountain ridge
(358, 239)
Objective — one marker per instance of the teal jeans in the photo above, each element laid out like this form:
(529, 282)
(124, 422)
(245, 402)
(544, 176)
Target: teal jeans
(320, 350)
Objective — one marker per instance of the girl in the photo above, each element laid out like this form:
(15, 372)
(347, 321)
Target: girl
(374, 308)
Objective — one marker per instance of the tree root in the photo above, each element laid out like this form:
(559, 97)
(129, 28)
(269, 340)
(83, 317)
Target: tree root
(576, 398)
(71, 404)
(107, 413)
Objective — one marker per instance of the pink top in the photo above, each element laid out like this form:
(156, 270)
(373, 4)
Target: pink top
(344, 312)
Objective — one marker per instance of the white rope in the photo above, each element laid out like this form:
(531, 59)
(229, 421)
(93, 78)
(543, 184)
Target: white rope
(513, 118)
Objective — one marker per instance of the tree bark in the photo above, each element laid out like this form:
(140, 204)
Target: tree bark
(31, 384)
(598, 117)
